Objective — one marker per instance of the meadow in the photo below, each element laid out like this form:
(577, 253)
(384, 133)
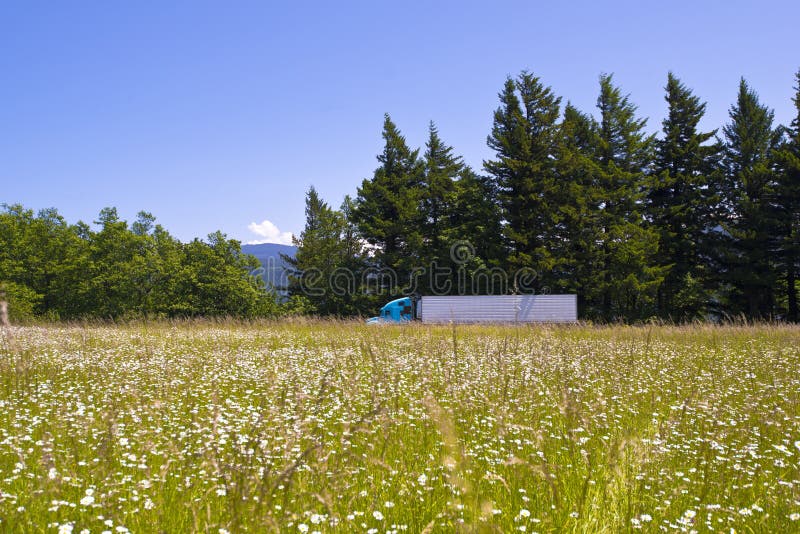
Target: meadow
(338, 427)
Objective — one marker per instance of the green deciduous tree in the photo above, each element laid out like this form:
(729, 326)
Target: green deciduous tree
(216, 280)
(71, 271)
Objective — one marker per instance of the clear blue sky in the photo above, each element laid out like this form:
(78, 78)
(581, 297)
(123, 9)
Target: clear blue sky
(216, 115)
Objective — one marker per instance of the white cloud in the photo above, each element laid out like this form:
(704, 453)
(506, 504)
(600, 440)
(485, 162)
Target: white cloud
(269, 233)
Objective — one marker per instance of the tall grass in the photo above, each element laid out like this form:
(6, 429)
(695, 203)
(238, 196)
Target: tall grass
(337, 427)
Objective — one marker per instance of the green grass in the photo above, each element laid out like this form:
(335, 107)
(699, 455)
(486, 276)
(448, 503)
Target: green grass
(339, 427)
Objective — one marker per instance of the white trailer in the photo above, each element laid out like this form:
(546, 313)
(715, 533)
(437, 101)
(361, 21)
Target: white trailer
(498, 309)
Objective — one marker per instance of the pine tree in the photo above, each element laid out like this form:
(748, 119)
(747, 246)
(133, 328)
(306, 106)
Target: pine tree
(578, 258)
(438, 189)
(352, 296)
(680, 203)
(627, 277)
(387, 206)
(327, 267)
(750, 219)
(524, 137)
(788, 194)
(316, 256)
(475, 217)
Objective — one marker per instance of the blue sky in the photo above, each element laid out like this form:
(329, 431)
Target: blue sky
(219, 115)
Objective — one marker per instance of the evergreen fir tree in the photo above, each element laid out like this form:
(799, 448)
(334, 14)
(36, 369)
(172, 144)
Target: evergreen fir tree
(628, 277)
(438, 190)
(750, 217)
(788, 194)
(351, 297)
(475, 217)
(325, 247)
(387, 211)
(524, 137)
(680, 203)
(576, 249)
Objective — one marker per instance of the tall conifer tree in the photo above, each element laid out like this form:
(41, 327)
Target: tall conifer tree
(525, 137)
(387, 207)
(681, 200)
(627, 277)
(750, 220)
(576, 250)
(441, 171)
(328, 262)
(788, 158)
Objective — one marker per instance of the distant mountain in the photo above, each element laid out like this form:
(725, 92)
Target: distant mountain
(269, 250)
(269, 254)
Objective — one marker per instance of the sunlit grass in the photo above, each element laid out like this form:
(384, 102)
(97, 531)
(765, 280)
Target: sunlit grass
(341, 427)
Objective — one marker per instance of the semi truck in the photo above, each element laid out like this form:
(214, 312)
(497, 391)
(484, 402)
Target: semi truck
(480, 309)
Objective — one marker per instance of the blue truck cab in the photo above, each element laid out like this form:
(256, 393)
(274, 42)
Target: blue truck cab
(396, 311)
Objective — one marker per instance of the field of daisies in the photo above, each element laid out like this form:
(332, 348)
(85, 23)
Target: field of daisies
(339, 427)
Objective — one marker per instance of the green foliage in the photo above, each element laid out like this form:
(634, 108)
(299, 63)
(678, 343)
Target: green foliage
(437, 195)
(22, 301)
(572, 194)
(414, 210)
(386, 211)
(476, 216)
(788, 204)
(299, 305)
(457, 207)
(575, 249)
(218, 282)
(627, 276)
(681, 227)
(117, 272)
(681, 203)
(328, 267)
(750, 220)
(341, 427)
(524, 137)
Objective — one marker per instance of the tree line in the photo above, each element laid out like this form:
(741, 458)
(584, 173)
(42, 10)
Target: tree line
(683, 225)
(56, 270)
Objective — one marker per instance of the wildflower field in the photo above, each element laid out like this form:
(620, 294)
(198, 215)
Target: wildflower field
(339, 427)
